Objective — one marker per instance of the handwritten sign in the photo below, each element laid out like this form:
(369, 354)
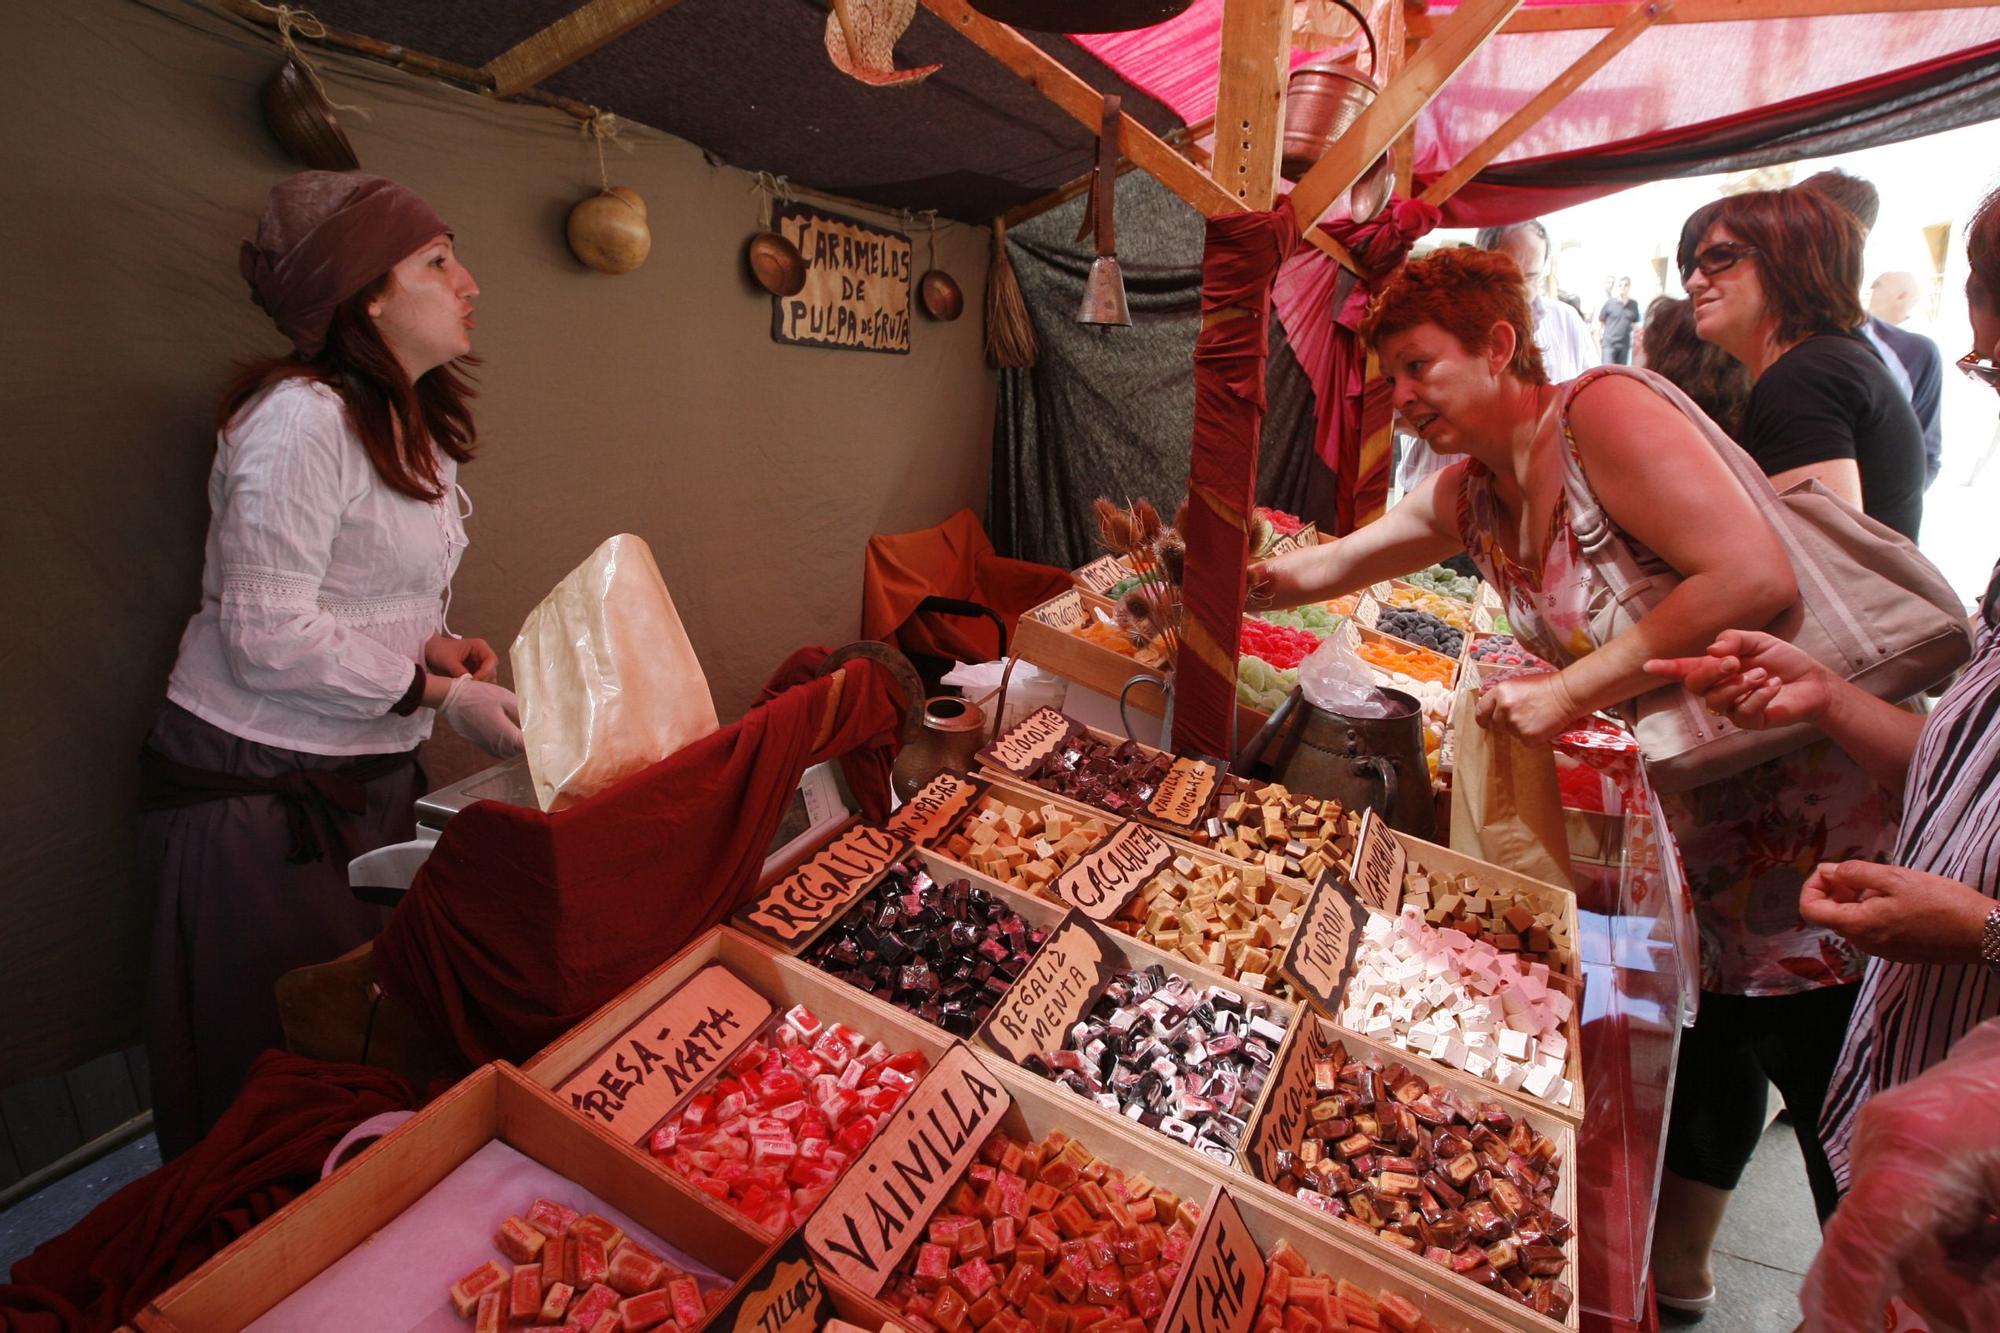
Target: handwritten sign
(1368, 611)
(1292, 1094)
(1029, 742)
(1065, 612)
(1105, 877)
(930, 815)
(1102, 574)
(862, 1229)
(1058, 988)
(1286, 543)
(797, 906)
(644, 1073)
(857, 291)
(1320, 957)
(1183, 795)
(1379, 862)
(1223, 1280)
(783, 1295)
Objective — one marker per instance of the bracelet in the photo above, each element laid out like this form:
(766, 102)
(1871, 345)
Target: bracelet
(1989, 941)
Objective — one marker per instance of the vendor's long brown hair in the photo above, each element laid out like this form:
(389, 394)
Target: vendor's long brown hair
(1808, 255)
(395, 419)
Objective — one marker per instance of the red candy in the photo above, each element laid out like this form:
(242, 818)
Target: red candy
(625, 1288)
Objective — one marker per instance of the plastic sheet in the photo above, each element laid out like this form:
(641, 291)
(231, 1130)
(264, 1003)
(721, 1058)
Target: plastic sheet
(607, 679)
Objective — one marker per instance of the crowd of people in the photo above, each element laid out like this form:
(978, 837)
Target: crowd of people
(1845, 891)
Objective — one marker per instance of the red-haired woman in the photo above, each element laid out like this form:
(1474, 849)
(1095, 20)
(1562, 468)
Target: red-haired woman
(308, 675)
(1451, 332)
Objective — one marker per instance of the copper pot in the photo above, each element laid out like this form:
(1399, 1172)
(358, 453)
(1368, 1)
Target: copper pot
(301, 120)
(952, 733)
(940, 295)
(1322, 100)
(776, 264)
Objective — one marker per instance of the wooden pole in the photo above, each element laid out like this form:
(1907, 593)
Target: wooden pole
(1250, 99)
(1396, 108)
(1565, 18)
(1181, 138)
(568, 40)
(1640, 18)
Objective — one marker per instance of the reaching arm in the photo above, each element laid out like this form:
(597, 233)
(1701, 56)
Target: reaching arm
(1420, 531)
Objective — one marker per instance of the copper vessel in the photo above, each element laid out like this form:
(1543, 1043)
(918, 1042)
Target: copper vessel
(952, 733)
(1322, 100)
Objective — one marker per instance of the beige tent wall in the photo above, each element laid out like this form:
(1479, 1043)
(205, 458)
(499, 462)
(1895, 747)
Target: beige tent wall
(653, 403)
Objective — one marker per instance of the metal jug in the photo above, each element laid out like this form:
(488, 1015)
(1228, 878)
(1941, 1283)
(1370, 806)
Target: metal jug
(1322, 99)
(1373, 762)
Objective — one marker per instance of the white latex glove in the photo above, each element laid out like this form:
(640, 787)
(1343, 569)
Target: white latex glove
(1925, 1179)
(485, 714)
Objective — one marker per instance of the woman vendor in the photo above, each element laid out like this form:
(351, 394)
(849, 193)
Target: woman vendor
(308, 676)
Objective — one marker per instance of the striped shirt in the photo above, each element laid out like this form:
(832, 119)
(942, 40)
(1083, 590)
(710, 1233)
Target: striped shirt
(1909, 1015)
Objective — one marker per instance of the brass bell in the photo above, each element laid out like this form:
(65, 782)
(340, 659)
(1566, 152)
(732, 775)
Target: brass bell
(1104, 294)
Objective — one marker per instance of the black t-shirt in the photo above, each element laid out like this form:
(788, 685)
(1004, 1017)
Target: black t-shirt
(1831, 397)
(1618, 318)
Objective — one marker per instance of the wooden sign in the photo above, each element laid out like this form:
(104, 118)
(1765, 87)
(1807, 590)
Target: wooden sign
(1103, 574)
(644, 1073)
(862, 1229)
(1277, 1127)
(1368, 611)
(1320, 958)
(928, 817)
(798, 905)
(1379, 862)
(857, 292)
(1286, 543)
(1183, 795)
(1105, 877)
(1058, 988)
(783, 1295)
(1065, 612)
(1223, 1279)
(1029, 742)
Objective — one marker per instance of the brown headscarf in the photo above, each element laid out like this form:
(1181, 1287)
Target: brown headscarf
(323, 237)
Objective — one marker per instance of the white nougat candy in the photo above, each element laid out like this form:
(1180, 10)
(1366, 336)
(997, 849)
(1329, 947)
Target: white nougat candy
(1477, 1065)
(1508, 1074)
(1516, 1045)
(1554, 1043)
(1538, 1081)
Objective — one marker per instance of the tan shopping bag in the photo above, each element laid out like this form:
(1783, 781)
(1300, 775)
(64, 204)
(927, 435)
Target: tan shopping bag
(1505, 805)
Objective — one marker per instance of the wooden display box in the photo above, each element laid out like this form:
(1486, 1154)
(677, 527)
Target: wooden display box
(497, 1102)
(1286, 1099)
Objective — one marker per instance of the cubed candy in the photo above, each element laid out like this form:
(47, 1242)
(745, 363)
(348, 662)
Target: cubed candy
(465, 1293)
(520, 1241)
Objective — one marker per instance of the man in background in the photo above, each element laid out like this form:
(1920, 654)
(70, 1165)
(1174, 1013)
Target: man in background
(1617, 322)
(1893, 296)
(1913, 360)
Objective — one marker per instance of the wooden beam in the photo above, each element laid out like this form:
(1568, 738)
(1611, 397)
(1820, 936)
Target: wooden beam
(1395, 108)
(1250, 98)
(1398, 46)
(568, 40)
(1077, 99)
(1564, 18)
(1637, 20)
(1182, 138)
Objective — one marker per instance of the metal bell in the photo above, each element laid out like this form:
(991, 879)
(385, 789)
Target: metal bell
(1104, 294)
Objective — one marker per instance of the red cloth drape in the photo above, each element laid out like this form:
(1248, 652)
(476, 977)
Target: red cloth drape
(265, 1150)
(953, 559)
(1240, 262)
(521, 924)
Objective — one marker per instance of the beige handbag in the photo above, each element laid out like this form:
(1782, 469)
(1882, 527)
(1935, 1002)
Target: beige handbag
(1870, 607)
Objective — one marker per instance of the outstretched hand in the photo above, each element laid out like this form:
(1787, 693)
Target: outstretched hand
(1754, 680)
(1905, 916)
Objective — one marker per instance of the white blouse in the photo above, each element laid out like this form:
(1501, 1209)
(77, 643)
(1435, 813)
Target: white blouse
(320, 584)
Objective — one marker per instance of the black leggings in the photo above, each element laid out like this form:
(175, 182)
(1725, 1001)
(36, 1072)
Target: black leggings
(1737, 1043)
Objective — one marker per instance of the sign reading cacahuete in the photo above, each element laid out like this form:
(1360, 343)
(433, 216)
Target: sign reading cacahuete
(799, 904)
(865, 1225)
(1183, 794)
(1060, 985)
(650, 1068)
(1379, 862)
(1223, 1280)
(936, 809)
(784, 1295)
(1106, 876)
(1320, 957)
(1029, 741)
(857, 291)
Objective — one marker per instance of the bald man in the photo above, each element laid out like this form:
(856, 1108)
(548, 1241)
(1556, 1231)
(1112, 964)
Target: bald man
(1893, 297)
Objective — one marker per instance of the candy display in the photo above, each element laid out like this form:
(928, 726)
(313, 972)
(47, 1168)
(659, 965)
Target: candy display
(774, 1131)
(581, 1272)
(1280, 645)
(1296, 1298)
(1449, 582)
(1461, 1001)
(1281, 523)
(1450, 610)
(1040, 1236)
(1421, 628)
(1317, 618)
(1105, 635)
(1230, 921)
(942, 951)
(1535, 928)
(1117, 778)
(1419, 667)
(1468, 1187)
(1186, 1060)
(1260, 686)
(1021, 847)
(1502, 650)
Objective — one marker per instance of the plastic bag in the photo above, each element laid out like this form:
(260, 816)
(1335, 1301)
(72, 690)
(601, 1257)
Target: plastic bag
(607, 679)
(1028, 688)
(1916, 1221)
(1336, 680)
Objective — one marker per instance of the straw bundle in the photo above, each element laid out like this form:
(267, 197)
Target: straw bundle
(1010, 333)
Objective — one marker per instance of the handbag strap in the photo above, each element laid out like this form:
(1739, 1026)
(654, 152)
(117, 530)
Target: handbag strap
(1598, 539)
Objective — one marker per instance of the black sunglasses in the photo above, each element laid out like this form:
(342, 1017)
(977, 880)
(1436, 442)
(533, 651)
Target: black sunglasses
(1979, 368)
(1717, 258)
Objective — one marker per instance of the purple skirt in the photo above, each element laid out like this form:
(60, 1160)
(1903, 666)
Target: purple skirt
(233, 915)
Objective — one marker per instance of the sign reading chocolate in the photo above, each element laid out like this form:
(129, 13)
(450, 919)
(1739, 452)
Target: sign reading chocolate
(1183, 795)
(1320, 957)
(1223, 1280)
(1292, 1096)
(1103, 574)
(865, 1225)
(1029, 742)
(1065, 612)
(783, 1295)
(857, 291)
(1379, 862)
(644, 1073)
(1060, 985)
(1105, 877)
(798, 905)
(930, 815)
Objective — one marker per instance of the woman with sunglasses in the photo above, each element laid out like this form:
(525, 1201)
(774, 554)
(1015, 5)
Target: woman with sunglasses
(1775, 278)
(1930, 920)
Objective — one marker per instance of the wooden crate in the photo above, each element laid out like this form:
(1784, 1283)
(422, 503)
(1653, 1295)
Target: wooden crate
(496, 1102)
